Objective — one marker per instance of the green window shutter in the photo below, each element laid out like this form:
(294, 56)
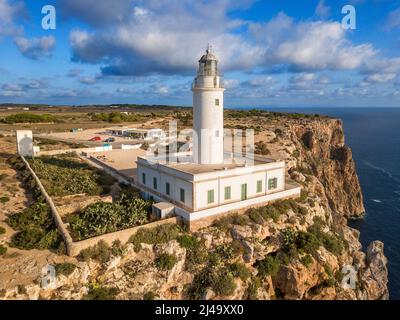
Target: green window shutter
(273, 183)
(227, 193)
(182, 195)
(167, 188)
(143, 178)
(259, 186)
(244, 191)
(155, 183)
(210, 196)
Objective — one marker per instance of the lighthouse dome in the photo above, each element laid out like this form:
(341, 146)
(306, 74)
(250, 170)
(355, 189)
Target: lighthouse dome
(208, 64)
(208, 57)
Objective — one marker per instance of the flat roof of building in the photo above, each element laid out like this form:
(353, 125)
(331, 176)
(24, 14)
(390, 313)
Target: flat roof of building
(186, 165)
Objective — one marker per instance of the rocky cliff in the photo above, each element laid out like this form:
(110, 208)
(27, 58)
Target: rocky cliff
(330, 160)
(292, 249)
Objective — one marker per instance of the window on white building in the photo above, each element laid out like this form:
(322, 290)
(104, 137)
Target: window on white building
(155, 183)
(143, 178)
(227, 195)
(182, 195)
(167, 188)
(210, 196)
(217, 102)
(259, 186)
(272, 183)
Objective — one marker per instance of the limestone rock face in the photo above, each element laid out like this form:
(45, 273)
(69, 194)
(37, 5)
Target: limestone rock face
(332, 163)
(296, 279)
(375, 278)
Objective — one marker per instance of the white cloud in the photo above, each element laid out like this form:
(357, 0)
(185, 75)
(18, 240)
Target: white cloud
(380, 77)
(9, 11)
(322, 9)
(393, 20)
(35, 48)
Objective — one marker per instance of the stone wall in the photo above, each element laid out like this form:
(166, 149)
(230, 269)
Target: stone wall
(122, 235)
(56, 216)
(74, 248)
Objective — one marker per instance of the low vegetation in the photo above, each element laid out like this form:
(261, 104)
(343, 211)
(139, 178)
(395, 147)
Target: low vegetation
(269, 266)
(3, 250)
(36, 228)
(2, 230)
(239, 114)
(165, 261)
(103, 217)
(101, 293)
(101, 252)
(114, 117)
(260, 215)
(161, 234)
(29, 118)
(4, 199)
(65, 268)
(196, 251)
(65, 175)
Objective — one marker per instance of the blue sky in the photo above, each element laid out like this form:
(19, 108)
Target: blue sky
(272, 53)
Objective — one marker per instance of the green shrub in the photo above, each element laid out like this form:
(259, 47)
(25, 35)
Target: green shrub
(4, 199)
(21, 289)
(157, 235)
(223, 283)
(223, 223)
(101, 293)
(268, 267)
(331, 242)
(201, 281)
(2, 176)
(103, 217)
(149, 295)
(306, 260)
(2, 230)
(165, 261)
(101, 252)
(240, 270)
(289, 239)
(252, 289)
(196, 251)
(114, 117)
(225, 251)
(37, 228)
(65, 268)
(307, 242)
(241, 220)
(29, 118)
(269, 212)
(255, 216)
(65, 175)
(3, 250)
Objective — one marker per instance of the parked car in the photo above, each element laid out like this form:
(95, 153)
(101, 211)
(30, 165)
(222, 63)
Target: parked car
(110, 140)
(95, 139)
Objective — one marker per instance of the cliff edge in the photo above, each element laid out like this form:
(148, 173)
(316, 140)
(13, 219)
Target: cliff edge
(291, 249)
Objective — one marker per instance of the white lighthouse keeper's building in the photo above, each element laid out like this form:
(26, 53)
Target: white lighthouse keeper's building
(208, 112)
(200, 186)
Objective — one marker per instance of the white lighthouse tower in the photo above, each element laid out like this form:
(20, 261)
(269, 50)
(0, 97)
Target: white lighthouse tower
(208, 112)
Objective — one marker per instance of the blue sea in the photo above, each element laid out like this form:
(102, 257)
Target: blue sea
(374, 137)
